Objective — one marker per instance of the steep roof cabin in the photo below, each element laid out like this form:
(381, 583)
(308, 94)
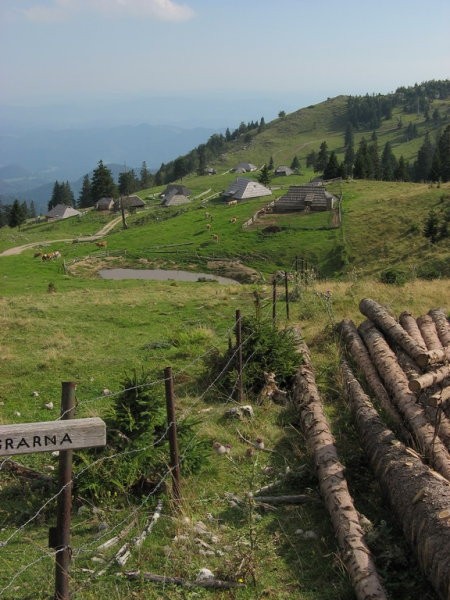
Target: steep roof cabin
(243, 188)
(245, 167)
(305, 198)
(62, 211)
(105, 204)
(283, 170)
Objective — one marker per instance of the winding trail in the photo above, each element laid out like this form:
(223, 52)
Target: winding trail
(90, 238)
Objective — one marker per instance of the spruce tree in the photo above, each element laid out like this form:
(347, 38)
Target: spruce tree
(295, 164)
(102, 185)
(17, 215)
(146, 178)
(322, 158)
(388, 163)
(85, 195)
(444, 154)
(264, 176)
(331, 170)
(422, 165)
(270, 166)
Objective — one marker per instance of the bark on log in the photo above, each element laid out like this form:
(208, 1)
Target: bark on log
(207, 583)
(419, 496)
(361, 357)
(429, 379)
(442, 325)
(429, 333)
(380, 316)
(397, 384)
(333, 485)
(409, 324)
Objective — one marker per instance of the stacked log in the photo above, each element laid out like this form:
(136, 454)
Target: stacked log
(333, 485)
(419, 496)
(409, 360)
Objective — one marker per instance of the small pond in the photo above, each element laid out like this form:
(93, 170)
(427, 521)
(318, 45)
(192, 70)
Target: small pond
(162, 275)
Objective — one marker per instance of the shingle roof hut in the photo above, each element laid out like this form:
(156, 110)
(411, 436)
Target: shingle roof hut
(62, 211)
(105, 204)
(175, 200)
(283, 170)
(305, 197)
(246, 188)
(175, 188)
(245, 167)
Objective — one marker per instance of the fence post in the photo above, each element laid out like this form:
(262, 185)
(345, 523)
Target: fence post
(286, 288)
(62, 532)
(240, 387)
(172, 433)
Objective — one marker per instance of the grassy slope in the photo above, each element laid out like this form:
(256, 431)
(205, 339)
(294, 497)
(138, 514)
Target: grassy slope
(95, 331)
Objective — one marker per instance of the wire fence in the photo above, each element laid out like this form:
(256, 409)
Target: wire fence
(90, 548)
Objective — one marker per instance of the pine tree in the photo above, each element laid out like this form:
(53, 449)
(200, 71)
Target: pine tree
(444, 153)
(331, 170)
(401, 172)
(85, 195)
(102, 185)
(295, 164)
(61, 194)
(128, 183)
(349, 160)
(348, 138)
(322, 158)
(422, 165)
(431, 228)
(146, 178)
(361, 167)
(388, 163)
(32, 210)
(264, 176)
(17, 215)
(270, 166)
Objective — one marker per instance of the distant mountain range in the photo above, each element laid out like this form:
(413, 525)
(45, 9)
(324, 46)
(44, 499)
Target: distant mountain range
(30, 162)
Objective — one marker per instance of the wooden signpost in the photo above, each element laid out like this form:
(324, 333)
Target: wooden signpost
(25, 438)
(65, 435)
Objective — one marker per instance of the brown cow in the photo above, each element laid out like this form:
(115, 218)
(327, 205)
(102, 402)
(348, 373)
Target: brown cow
(102, 244)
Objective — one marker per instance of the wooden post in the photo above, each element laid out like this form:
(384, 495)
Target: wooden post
(172, 433)
(240, 388)
(286, 288)
(63, 550)
(274, 301)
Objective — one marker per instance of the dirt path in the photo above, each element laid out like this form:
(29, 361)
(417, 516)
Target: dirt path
(90, 238)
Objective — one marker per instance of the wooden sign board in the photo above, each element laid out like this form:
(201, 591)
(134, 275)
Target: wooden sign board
(70, 434)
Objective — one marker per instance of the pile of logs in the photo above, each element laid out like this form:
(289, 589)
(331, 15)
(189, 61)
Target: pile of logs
(404, 366)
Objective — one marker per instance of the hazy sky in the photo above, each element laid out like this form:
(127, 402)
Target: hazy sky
(54, 50)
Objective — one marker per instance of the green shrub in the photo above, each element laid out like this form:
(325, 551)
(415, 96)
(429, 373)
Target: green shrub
(264, 348)
(394, 276)
(137, 452)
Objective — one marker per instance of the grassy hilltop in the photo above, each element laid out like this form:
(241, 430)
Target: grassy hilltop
(60, 322)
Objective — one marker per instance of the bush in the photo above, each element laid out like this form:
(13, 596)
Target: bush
(264, 348)
(394, 276)
(135, 457)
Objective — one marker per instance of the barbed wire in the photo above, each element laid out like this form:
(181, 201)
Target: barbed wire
(86, 547)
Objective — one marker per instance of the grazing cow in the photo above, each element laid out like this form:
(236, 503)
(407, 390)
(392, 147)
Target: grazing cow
(208, 226)
(51, 255)
(37, 254)
(215, 237)
(233, 220)
(102, 244)
(232, 203)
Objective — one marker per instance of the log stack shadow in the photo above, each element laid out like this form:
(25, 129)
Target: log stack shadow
(404, 366)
